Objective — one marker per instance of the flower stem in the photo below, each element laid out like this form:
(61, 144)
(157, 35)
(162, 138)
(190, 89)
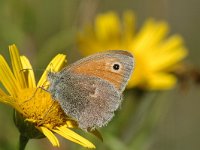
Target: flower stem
(22, 142)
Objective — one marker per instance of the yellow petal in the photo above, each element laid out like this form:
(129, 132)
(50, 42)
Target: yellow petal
(17, 66)
(9, 100)
(170, 53)
(7, 78)
(170, 59)
(55, 65)
(110, 29)
(74, 137)
(2, 93)
(129, 27)
(28, 71)
(161, 81)
(71, 124)
(52, 138)
(88, 42)
(150, 35)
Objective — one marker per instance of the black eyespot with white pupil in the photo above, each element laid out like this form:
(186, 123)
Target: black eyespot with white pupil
(116, 66)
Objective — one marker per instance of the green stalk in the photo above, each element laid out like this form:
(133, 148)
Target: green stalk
(23, 142)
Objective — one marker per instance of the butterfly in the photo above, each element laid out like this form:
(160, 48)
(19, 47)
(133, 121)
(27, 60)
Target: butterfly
(90, 90)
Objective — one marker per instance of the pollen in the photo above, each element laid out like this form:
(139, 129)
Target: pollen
(39, 108)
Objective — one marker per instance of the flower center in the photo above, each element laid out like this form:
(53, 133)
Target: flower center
(38, 107)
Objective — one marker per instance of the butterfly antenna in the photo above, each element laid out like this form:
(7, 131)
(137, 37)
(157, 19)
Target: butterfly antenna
(40, 87)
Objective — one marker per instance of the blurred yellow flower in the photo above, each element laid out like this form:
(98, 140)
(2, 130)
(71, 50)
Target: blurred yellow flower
(156, 55)
(34, 104)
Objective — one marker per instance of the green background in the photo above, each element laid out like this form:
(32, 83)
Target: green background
(167, 120)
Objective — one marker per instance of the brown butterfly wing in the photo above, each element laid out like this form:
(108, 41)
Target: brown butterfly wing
(101, 65)
(89, 100)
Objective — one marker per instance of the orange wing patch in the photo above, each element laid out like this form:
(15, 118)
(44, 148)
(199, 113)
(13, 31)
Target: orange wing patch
(101, 68)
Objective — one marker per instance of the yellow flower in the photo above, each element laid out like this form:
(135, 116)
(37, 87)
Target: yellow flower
(34, 104)
(156, 55)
